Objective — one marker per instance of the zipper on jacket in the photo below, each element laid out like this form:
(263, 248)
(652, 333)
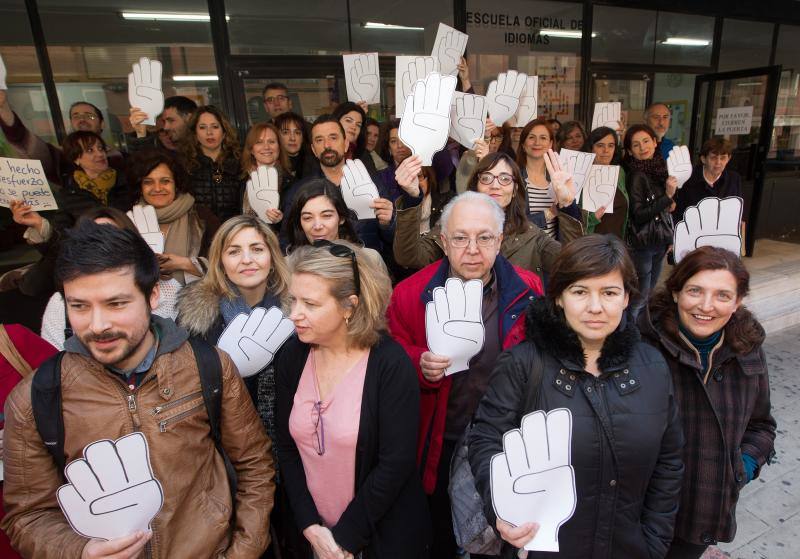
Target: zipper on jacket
(131, 402)
(183, 399)
(162, 425)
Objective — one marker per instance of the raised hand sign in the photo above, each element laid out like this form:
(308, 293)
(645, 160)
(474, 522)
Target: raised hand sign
(528, 102)
(467, 118)
(362, 77)
(3, 74)
(577, 164)
(358, 190)
(262, 191)
(503, 95)
(253, 340)
(454, 322)
(601, 187)
(607, 114)
(408, 71)
(146, 221)
(533, 479)
(713, 222)
(145, 89)
(679, 164)
(448, 48)
(426, 119)
(111, 491)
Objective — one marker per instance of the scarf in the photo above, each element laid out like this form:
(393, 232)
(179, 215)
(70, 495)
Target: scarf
(184, 235)
(655, 167)
(99, 186)
(229, 308)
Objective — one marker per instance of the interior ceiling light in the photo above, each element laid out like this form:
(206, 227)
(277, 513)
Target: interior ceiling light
(375, 25)
(686, 42)
(168, 16)
(564, 34)
(195, 78)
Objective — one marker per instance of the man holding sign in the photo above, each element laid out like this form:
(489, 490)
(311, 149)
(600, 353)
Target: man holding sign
(472, 230)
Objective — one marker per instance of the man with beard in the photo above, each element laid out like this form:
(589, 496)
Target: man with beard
(329, 145)
(178, 110)
(658, 116)
(124, 371)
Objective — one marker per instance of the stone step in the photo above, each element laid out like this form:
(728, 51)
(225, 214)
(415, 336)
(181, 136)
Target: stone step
(775, 284)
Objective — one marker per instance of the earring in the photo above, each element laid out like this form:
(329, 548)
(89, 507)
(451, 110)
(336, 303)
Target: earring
(347, 321)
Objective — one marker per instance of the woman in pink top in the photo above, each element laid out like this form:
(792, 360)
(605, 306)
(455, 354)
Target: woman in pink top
(347, 411)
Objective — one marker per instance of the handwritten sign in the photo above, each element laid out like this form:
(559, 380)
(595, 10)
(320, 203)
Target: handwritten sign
(24, 179)
(734, 121)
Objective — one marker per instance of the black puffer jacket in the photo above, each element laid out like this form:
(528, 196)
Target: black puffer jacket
(626, 436)
(218, 187)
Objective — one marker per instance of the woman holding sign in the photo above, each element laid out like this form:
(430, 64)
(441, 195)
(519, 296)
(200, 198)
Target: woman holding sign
(602, 456)
(347, 412)
(603, 143)
(262, 147)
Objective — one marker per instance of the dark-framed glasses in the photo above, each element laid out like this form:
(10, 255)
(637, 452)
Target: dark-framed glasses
(278, 98)
(504, 179)
(342, 251)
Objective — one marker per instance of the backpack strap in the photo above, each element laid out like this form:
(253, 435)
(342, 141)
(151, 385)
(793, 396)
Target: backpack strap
(46, 404)
(12, 354)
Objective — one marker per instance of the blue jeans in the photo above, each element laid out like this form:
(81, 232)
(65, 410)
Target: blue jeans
(648, 262)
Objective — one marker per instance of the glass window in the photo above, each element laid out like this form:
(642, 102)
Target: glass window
(538, 38)
(416, 24)
(745, 44)
(92, 49)
(684, 39)
(786, 134)
(295, 27)
(623, 35)
(677, 92)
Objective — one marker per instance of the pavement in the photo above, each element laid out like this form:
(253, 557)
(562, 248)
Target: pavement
(768, 513)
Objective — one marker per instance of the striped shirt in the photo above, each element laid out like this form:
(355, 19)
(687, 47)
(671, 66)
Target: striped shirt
(541, 200)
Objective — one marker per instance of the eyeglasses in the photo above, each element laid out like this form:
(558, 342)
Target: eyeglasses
(276, 98)
(493, 139)
(83, 116)
(319, 428)
(484, 240)
(343, 252)
(503, 178)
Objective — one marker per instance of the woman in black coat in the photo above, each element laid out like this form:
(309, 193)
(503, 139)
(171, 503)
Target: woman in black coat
(625, 432)
(347, 412)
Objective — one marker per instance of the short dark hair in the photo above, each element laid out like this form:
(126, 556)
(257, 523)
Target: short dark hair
(589, 257)
(635, 129)
(90, 248)
(568, 127)
(183, 105)
(274, 85)
(97, 111)
(313, 189)
(119, 217)
(383, 141)
(142, 164)
(598, 134)
(718, 145)
(324, 119)
(79, 141)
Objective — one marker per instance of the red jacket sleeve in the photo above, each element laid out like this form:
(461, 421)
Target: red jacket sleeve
(33, 349)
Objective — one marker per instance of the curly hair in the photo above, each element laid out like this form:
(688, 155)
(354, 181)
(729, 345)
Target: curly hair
(190, 147)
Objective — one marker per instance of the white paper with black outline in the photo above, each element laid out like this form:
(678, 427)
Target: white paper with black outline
(503, 95)
(454, 322)
(600, 189)
(679, 164)
(262, 191)
(607, 114)
(362, 77)
(408, 71)
(448, 48)
(712, 222)
(145, 88)
(533, 479)
(358, 189)
(111, 491)
(253, 339)
(425, 125)
(528, 103)
(467, 118)
(578, 164)
(145, 219)
(3, 74)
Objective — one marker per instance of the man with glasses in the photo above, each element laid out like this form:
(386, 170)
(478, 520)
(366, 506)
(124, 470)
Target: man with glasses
(471, 233)
(276, 99)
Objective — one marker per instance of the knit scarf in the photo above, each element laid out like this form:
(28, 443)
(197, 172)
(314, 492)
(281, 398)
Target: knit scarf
(183, 236)
(655, 167)
(98, 186)
(229, 308)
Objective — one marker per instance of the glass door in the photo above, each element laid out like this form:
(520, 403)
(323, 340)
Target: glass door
(629, 88)
(739, 106)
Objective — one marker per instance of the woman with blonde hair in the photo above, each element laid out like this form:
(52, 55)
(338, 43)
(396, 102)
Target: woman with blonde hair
(347, 411)
(262, 147)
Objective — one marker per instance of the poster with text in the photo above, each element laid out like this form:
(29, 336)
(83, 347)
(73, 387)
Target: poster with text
(24, 179)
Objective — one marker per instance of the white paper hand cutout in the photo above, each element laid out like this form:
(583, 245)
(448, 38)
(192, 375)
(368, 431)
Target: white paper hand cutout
(601, 187)
(448, 48)
(577, 164)
(467, 118)
(253, 340)
(533, 479)
(262, 191)
(3, 74)
(146, 221)
(503, 95)
(145, 89)
(607, 114)
(713, 222)
(426, 119)
(362, 77)
(454, 322)
(528, 102)
(358, 190)
(111, 491)
(408, 71)
(679, 164)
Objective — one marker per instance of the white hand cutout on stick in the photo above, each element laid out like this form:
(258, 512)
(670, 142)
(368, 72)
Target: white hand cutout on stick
(533, 479)
(448, 48)
(358, 190)
(607, 114)
(253, 340)
(601, 188)
(528, 102)
(408, 71)
(577, 164)
(679, 164)
(426, 119)
(262, 191)
(503, 95)
(362, 77)
(713, 222)
(111, 491)
(467, 118)
(145, 88)
(454, 322)
(146, 221)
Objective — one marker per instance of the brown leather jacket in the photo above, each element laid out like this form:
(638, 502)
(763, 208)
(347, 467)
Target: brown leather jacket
(168, 408)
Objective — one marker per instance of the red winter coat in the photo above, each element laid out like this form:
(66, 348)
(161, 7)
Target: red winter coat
(406, 317)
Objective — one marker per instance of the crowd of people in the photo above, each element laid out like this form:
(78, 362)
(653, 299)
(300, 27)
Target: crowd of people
(340, 445)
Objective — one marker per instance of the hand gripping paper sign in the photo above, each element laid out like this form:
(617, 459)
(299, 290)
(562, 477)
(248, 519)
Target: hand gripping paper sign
(252, 340)
(533, 480)
(713, 222)
(607, 114)
(679, 164)
(362, 77)
(503, 95)
(578, 164)
(262, 191)
(145, 89)
(146, 221)
(408, 71)
(467, 118)
(448, 48)
(426, 119)
(454, 322)
(111, 491)
(358, 190)
(601, 187)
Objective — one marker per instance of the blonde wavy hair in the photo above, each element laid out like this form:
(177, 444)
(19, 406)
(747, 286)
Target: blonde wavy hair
(368, 320)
